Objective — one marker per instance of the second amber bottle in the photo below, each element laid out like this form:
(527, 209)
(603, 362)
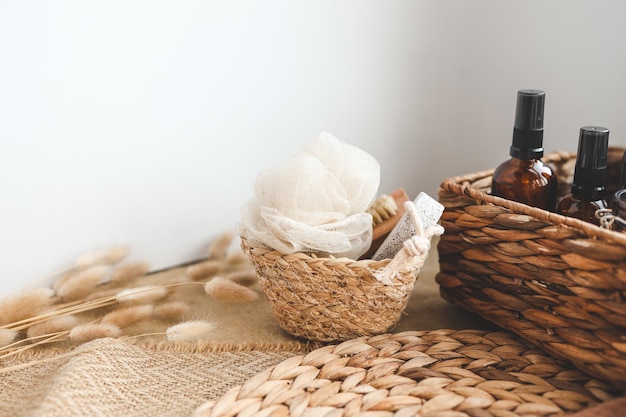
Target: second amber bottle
(588, 193)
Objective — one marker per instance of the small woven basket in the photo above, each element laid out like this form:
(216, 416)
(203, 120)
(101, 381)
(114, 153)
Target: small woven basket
(332, 299)
(556, 281)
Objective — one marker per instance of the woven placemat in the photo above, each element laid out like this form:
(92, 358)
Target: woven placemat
(441, 373)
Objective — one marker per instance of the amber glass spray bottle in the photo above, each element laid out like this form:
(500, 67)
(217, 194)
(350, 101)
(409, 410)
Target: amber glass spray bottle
(525, 177)
(588, 188)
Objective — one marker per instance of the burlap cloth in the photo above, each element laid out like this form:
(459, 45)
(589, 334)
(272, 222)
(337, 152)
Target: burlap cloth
(152, 377)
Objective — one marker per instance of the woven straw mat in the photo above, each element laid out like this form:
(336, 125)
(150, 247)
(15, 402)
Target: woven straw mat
(443, 373)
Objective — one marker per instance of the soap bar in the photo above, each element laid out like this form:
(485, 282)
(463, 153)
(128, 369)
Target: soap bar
(383, 229)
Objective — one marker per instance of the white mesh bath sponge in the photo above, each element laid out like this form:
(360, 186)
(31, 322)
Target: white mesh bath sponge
(315, 201)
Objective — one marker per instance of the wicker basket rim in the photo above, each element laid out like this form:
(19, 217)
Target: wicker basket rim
(461, 185)
(305, 257)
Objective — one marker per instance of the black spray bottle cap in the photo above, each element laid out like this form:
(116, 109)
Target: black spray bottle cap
(591, 162)
(528, 128)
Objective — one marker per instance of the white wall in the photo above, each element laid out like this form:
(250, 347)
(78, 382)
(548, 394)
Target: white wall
(145, 122)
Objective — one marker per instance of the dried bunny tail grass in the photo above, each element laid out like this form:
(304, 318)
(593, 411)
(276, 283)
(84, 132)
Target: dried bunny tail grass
(137, 295)
(83, 283)
(58, 283)
(108, 256)
(124, 317)
(190, 330)
(73, 308)
(237, 257)
(144, 294)
(174, 310)
(24, 304)
(203, 270)
(54, 325)
(14, 347)
(129, 271)
(246, 277)
(219, 247)
(7, 336)
(103, 293)
(180, 280)
(87, 332)
(227, 291)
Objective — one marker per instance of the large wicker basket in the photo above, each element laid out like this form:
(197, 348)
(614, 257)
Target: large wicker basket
(556, 281)
(332, 299)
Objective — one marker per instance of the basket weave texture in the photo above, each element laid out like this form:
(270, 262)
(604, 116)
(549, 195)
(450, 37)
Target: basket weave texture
(442, 373)
(558, 282)
(331, 299)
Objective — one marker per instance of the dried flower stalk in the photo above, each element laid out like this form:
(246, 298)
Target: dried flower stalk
(124, 317)
(108, 256)
(174, 310)
(128, 272)
(24, 304)
(72, 309)
(236, 257)
(144, 294)
(91, 331)
(219, 247)
(82, 284)
(53, 325)
(7, 336)
(190, 331)
(49, 338)
(203, 270)
(224, 290)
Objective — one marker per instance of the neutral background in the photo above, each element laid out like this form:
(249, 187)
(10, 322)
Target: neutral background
(145, 122)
